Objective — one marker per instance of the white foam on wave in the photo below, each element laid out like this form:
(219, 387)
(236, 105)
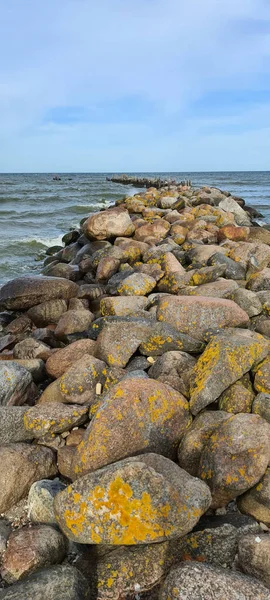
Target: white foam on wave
(55, 241)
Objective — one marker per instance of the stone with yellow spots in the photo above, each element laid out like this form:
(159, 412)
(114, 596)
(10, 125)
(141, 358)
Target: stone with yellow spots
(206, 274)
(136, 284)
(262, 377)
(73, 321)
(196, 437)
(122, 306)
(137, 415)
(236, 399)
(194, 316)
(118, 340)
(78, 384)
(258, 253)
(235, 457)
(157, 230)
(174, 368)
(140, 500)
(16, 384)
(164, 337)
(226, 358)
(256, 501)
(222, 288)
(193, 580)
(233, 232)
(53, 418)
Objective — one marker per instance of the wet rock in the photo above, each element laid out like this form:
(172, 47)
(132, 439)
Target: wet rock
(40, 500)
(194, 316)
(261, 406)
(254, 556)
(73, 321)
(77, 385)
(31, 548)
(59, 362)
(196, 437)
(25, 292)
(47, 312)
(12, 427)
(21, 465)
(235, 458)
(31, 348)
(16, 385)
(62, 582)
(115, 344)
(136, 284)
(53, 418)
(138, 500)
(137, 415)
(256, 501)
(108, 223)
(225, 360)
(189, 581)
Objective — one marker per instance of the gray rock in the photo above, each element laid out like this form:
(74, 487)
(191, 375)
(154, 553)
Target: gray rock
(233, 270)
(230, 205)
(254, 556)
(16, 384)
(25, 292)
(57, 583)
(5, 530)
(196, 581)
(40, 500)
(261, 406)
(248, 301)
(12, 425)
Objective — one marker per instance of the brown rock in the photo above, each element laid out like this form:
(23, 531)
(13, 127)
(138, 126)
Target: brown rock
(31, 548)
(156, 230)
(107, 267)
(25, 292)
(53, 418)
(256, 501)
(47, 312)
(65, 457)
(254, 556)
(262, 377)
(236, 457)
(30, 348)
(231, 232)
(137, 415)
(122, 306)
(21, 465)
(118, 341)
(236, 399)
(59, 362)
(73, 321)
(19, 325)
(136, 284)
(75, 437)
(108, 223)
(196, 315)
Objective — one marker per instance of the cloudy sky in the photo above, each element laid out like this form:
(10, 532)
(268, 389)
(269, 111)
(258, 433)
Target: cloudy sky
(125, 85)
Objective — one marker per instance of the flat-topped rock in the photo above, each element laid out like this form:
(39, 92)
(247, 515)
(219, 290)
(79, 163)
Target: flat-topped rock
(24, 292)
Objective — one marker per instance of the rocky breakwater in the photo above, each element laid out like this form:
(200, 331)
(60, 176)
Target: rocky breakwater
(135, 407)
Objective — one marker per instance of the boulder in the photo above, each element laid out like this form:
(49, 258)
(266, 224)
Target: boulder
(156, 231)
(30, 348)
(16, 385)
(256, 501)
(232, 232)
(40, 500)
(222, 288)
(108, 224)
(241, 217)
(232, 269)
(225, 360)
(137, 415)
(35, 366)
(12, 427)
(47, 312)
(261, 406)
(24, 292)
(73, 321)
(31, 548)
(260, 280)
(235, 457)
(196, 437)
(107, 267)
(118, 340)
(123, 306)
(50, 419)
(77, 385)
(248, 301)
(139, 500)
(174, 369)
(197, 581)
(262, 377)
(136, 284)
(195, 316)
(164, 337)
(61, 360)
(236, 399)
(21, 465)
(254, 556)
(61, 582)
(259, 234)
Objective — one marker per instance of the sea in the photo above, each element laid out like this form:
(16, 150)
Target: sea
(36, 210)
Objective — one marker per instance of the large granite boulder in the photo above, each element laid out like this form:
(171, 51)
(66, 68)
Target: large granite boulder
(108, 224)
(25, 292)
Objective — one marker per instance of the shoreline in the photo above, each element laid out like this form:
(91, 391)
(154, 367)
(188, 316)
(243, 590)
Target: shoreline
(137, 368)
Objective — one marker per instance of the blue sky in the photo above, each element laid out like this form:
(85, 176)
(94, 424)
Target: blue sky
(124, 85)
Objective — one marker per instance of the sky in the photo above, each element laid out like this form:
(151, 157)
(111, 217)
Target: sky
(134, 85)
